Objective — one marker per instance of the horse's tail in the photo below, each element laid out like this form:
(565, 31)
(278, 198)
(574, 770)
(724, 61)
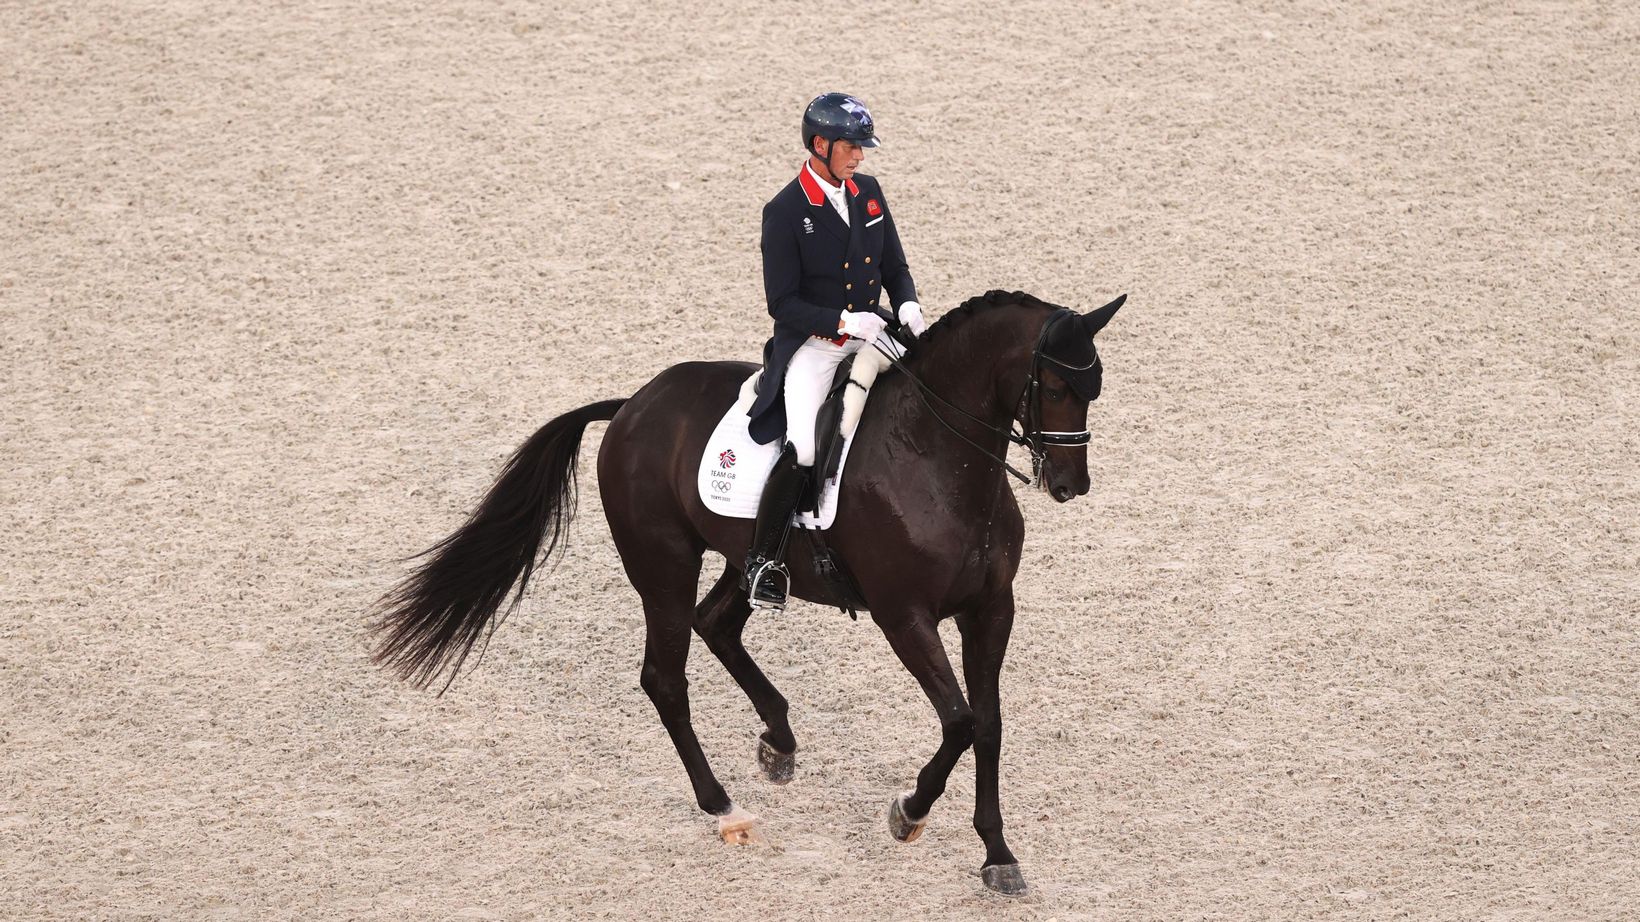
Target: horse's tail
(428, 623)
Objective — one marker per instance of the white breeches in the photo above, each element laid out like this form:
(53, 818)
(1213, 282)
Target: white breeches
(808, 377)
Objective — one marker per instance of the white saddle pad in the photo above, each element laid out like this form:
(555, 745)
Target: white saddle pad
(734, 467)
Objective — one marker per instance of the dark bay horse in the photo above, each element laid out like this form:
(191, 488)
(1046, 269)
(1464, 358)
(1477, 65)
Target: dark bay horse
(925, 524)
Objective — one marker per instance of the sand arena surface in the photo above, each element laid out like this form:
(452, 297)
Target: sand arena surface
(1345, 630)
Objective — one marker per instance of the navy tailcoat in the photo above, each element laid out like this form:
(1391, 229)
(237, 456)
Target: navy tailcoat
(815, 267)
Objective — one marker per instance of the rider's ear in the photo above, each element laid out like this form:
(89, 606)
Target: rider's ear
(1094, 321)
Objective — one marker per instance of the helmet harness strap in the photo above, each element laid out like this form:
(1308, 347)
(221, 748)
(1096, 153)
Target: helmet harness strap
(831, 149)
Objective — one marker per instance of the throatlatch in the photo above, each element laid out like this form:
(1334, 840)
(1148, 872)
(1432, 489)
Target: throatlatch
(767, 580)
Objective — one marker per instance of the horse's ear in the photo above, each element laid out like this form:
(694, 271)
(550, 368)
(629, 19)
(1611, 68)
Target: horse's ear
(1094, 321)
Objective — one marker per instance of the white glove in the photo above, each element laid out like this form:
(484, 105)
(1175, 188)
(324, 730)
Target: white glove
(864, 325)
(911, 315)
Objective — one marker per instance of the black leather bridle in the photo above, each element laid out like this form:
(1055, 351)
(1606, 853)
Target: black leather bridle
(1036, 439)
(1031, 435)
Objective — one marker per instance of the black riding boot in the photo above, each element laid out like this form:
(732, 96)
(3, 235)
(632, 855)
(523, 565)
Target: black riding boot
(766, 575)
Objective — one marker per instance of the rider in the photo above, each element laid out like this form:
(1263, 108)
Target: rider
(831, 261)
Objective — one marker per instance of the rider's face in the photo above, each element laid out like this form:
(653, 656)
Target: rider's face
(845, 157)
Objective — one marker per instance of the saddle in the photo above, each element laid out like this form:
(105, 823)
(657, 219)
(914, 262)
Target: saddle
(834, 425)
(839, 414)
(828, 432)
(730, 453)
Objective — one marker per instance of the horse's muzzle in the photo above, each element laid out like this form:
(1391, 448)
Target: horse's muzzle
(1063, 491)
(1064, 486)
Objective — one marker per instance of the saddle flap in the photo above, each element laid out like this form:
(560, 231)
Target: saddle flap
(734, 467)
(828, 436)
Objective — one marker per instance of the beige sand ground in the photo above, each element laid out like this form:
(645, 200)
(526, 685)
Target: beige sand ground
(1346, 630)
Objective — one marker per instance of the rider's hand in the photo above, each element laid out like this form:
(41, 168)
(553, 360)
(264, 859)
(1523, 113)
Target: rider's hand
(911, 315)
(861, 325)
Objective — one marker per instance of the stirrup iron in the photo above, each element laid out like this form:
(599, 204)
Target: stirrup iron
(769, 586)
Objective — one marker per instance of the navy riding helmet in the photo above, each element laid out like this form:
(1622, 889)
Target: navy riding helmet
(838, 116)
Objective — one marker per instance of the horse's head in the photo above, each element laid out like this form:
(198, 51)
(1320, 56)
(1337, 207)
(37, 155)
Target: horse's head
(1011, 355)
(1065, 376)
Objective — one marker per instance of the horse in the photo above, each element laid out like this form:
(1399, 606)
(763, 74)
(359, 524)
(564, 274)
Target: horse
(924, 524)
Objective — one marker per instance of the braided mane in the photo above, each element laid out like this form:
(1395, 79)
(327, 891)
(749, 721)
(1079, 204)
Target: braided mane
(962, 312)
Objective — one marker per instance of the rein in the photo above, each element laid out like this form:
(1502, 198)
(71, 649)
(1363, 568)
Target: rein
(1034, 440)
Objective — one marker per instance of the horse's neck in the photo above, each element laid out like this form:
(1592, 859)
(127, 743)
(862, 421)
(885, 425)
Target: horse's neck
(962, 368)
(959, 370)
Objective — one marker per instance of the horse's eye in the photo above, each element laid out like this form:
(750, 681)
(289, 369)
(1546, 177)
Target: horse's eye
(1052, 394)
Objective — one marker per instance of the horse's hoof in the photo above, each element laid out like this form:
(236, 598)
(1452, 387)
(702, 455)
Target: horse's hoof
(738, 827)
(1005, 879)
(777, 766)
(904, 827)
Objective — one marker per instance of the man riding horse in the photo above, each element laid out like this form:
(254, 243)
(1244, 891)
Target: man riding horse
(932, 459)
(831, 260)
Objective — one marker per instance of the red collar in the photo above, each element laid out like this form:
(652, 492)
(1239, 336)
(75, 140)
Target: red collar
(814, 190)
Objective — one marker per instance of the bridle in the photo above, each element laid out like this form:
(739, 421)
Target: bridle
(1036, 439)
(1030, 434)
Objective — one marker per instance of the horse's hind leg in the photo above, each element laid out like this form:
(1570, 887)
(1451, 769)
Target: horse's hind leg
(916, 641)
(666, 582)
(720, 619)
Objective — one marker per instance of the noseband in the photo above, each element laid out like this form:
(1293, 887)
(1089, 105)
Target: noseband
(1033, 437)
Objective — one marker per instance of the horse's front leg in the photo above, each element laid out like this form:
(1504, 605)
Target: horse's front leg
(916, 641)
(984, 642)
